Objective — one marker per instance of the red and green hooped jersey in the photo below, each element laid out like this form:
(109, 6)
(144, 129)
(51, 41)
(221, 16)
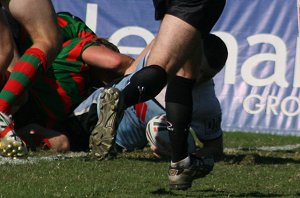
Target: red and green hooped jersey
(73, 27)
(66, 83)
(70, 27)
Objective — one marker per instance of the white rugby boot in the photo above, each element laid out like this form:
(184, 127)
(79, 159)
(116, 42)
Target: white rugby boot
(10, 144)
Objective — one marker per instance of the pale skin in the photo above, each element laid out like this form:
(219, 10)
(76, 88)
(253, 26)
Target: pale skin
(7, 49)
(176, 36)
(39, 19)
(106, 63)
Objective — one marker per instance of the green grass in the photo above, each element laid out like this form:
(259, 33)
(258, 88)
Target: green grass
(242, 173)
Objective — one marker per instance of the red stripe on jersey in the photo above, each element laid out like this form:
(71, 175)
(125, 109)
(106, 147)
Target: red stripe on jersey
(66, 43)
(26, 68)
(51, 117)
(80, 82)
(141, 110)
(74, 53)
(61, 22)
(62, 93)
(86, 35)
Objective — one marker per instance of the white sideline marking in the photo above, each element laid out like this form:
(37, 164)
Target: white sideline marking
(32, 160)
(264, 148)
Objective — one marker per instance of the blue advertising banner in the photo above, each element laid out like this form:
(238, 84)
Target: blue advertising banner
(259, 87)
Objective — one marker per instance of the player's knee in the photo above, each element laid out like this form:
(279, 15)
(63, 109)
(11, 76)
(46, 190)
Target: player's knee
(50, 44)
(152, 76)
(150, 81)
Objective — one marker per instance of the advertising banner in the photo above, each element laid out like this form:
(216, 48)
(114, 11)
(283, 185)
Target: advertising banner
(258, 88)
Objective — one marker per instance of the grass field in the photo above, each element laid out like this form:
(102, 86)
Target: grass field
(255, 165)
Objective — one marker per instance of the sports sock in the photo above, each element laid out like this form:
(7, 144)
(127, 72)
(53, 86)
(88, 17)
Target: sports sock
(144, 85)
(182, 163)
(23, 74)
(179, 105)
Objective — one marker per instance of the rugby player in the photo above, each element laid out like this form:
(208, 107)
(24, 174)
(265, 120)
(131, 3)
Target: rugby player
(68, 81)
(130, 135)
(174, 58)
(38, 18)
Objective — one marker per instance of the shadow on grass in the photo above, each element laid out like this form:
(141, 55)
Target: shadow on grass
(253, 159)
(162, 191)
(213, 193)
(245, 159)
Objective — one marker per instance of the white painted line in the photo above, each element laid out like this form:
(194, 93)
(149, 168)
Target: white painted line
(32, 160)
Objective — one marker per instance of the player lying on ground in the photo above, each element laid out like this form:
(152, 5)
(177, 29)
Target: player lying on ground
(68, 81)
(131, 133)
(215, 49)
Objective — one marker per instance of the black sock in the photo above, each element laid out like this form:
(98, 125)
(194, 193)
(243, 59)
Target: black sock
(179, 106)
(144, 85)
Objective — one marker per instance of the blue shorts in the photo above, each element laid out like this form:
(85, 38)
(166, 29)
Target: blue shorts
(206, 120)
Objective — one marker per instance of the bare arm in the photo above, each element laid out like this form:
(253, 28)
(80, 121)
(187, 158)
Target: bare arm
(105, 58)
(106, 64)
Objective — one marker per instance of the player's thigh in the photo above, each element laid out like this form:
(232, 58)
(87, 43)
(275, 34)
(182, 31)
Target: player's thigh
(192, 67)
(6, 52)
(174, 43)
(38, 18)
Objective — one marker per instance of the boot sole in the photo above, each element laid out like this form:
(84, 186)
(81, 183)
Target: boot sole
(102, 138)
